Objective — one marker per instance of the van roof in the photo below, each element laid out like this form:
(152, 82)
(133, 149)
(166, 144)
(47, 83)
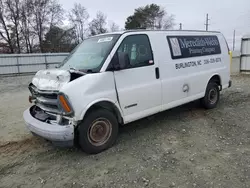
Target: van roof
(150, 30)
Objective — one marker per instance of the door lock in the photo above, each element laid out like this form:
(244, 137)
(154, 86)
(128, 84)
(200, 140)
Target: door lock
(185, 88)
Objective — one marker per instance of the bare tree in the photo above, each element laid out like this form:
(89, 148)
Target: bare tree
(13, 15)
(164, 22)
(98, 24)
(45, 14)
(113, 27)
(168, 22)
(78, 18)
(26, 25)
(56, 13)
(23, 23)
(4, 27)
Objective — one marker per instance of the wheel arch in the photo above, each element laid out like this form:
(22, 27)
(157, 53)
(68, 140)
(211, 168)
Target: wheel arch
(106, 104)
(217, 79)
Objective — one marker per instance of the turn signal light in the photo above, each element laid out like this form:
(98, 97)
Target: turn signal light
(65, 104)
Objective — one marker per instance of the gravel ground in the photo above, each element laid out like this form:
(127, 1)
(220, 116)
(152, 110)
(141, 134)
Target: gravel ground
(183, 147)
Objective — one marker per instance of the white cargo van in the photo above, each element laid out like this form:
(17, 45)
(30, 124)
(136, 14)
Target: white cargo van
(116, 78)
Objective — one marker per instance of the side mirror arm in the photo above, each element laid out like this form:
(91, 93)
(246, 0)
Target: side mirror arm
(114, 64)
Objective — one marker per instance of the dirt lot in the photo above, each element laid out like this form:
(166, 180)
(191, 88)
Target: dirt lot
(184, 147)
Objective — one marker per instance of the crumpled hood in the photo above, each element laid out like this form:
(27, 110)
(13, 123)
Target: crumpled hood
(52, 79)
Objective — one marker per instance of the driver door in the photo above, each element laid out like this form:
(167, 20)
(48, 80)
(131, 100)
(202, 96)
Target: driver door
(138, 86)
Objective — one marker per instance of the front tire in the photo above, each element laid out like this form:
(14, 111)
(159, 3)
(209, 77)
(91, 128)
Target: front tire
(212, 96)
(98, 131)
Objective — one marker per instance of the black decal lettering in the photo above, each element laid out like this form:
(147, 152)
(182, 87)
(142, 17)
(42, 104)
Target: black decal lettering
(195, 46)
(218, 59)
(182, 43)
(188, 43)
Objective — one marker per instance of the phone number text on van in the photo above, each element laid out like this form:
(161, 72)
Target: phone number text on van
(197, 63)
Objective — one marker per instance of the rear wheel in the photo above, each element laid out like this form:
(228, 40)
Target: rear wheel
(98, 131)
(212, 96)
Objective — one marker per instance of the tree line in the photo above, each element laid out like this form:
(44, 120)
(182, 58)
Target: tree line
(29, 26)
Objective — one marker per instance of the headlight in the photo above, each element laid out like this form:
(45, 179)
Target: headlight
(64, 104)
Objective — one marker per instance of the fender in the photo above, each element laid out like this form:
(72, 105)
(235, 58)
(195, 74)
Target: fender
(101, 100)
(211, 76)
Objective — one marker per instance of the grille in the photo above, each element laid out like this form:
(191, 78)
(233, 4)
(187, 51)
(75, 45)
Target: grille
(46, 100)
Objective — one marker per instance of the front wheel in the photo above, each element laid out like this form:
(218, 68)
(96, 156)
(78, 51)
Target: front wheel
(212, 96)
(98, 131)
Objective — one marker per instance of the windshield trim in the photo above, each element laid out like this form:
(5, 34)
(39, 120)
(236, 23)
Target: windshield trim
(97, 69)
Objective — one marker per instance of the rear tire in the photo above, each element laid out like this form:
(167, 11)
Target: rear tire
(98, 131)
(212, 96)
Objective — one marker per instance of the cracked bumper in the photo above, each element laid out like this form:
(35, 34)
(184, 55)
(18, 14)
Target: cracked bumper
(55, 133)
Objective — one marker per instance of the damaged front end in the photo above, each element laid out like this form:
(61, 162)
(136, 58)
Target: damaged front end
(47, 107)
(51, 116)
(45, 94)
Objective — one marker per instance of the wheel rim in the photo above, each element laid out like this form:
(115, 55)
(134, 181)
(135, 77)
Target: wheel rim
(99, 132)
(212, 96)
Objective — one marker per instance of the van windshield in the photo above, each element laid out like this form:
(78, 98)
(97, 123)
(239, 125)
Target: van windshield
(90, 55)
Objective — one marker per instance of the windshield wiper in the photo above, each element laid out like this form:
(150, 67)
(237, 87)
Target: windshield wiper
(82, 71)
(72, 69)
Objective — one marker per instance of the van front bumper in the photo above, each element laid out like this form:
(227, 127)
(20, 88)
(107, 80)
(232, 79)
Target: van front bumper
(62, 135)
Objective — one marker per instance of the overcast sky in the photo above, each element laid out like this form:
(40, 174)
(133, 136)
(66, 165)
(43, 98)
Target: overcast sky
(225, 15)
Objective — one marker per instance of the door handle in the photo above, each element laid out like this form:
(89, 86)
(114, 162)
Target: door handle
(157, 73)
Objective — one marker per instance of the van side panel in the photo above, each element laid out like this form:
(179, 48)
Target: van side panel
(171, 83)
(199, 76)
(185, 79)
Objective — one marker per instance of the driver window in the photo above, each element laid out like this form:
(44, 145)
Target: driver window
(138, 49)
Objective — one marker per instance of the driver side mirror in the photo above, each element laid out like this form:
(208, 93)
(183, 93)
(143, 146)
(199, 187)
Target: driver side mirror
(120, 61)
